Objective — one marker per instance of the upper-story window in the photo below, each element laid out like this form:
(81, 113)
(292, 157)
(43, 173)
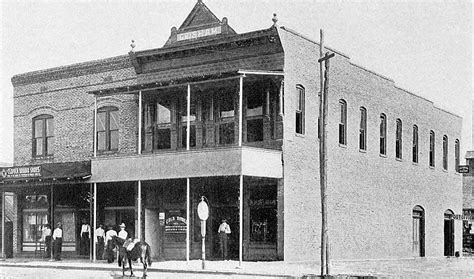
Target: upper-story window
(445, 152)
(300, 109)
(342, 122)
(415, 144)
(107, 129)
(383, 134)
(456, 154)
(363, 129)
(398, 140)
(43, 135)
(432, 149)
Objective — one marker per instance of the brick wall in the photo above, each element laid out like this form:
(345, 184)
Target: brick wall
(371, 197)
(62, 93)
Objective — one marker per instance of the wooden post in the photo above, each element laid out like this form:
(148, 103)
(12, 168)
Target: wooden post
(241, 93)
(3, 225)
(95, 132)
(93, 236)
(241, 216)
(139, 123)
(323, 107)
(188, 216)
(139, 205)
(188, 119)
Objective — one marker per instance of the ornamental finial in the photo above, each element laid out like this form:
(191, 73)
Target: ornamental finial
(133, 46)
(274, 19)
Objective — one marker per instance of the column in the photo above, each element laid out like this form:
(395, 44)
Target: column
(95, 131)
(140, 122)
(241, 215)
(241, 93)
(3, 225)
(93, 236)
(188, 221)
(139, 202)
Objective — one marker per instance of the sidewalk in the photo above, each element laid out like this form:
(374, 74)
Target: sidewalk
(405, 268)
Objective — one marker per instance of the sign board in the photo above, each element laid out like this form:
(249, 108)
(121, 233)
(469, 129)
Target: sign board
(463, 168)
(199, 33)
(203, 211)
(21, 172)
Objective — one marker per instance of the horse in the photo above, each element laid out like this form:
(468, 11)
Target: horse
(140, 250)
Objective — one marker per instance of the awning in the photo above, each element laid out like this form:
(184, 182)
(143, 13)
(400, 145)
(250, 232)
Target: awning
(51, 171)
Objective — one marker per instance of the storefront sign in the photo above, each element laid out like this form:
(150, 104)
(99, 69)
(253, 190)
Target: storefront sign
(199, 33)
(462, 217)
(21, 172)
(262, 202)
(463, 169)
(175, 224)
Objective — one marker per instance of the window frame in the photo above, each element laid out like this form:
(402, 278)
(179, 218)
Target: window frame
(47, 146)
(108, 132)
(363, 129)
(445, 152)
(399, 139)
(383, 134)
(432, 151)
(415, 144)
(300, 110)
(342, 122)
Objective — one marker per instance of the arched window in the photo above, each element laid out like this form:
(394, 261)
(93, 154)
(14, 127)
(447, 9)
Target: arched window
(432, 149)
(363, 129)
(415, 144)
(107, 129)
(300, 109)
(383, 134)
(43, 135)
(343, 122)
(398, 140)
(456, 154)
(445, 152)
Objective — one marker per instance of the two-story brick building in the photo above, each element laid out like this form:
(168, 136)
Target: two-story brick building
(234, 118)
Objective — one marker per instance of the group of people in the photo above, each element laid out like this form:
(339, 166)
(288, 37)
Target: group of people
(52, 240)
(55, 240)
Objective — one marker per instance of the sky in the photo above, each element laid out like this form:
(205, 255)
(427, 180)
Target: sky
(424, 46)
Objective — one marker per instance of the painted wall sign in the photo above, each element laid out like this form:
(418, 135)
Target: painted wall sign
(21, 172)
(199, 33)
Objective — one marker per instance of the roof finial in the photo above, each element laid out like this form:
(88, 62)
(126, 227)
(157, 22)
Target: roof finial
(274, 19)
(133, 46)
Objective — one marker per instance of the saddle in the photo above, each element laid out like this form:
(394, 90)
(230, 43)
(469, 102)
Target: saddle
(129, 244)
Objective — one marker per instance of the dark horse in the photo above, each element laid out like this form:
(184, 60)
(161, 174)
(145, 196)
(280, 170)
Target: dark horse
(141, 250)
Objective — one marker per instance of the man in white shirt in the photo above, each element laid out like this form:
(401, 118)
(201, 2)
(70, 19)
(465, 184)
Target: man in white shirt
(224, 231)
(85, 237)
(123, 234)
(57, 241)
(110, 246)
(46, 238)
(99, 239)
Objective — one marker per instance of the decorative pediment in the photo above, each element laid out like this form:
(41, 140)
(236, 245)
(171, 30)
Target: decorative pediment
(200, 24)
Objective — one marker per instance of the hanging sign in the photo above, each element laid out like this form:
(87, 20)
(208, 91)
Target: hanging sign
(203, 210)
(21, 172)
(463, 169)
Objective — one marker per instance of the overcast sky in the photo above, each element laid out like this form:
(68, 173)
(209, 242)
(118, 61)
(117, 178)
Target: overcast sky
(426, 47)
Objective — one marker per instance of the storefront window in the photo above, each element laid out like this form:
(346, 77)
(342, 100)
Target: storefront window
(263, 214)
(33, 223)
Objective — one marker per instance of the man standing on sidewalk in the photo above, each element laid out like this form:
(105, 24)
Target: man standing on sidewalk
(85, 237)
(224, 231)
(46, 237)
(57, 241)
(99, 239)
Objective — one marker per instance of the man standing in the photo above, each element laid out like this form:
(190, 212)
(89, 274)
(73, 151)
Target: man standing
(99, 239)
(57, 241)
(46, 237)
(85, 237)
(110, 246)
(224, 231)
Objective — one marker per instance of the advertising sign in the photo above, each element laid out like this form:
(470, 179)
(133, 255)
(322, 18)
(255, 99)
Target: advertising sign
(21, 172)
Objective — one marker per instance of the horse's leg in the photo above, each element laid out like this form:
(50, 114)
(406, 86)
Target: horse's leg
(130, 264)
(123, 267)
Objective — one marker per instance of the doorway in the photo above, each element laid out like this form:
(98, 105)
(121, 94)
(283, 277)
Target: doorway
(418, 231)
(448, 233)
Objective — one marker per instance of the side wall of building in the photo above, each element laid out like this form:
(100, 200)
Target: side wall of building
(302, 202)
(66, 99)
(370, 196)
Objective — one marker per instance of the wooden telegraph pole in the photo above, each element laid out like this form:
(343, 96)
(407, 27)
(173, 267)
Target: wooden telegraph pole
(323, 108)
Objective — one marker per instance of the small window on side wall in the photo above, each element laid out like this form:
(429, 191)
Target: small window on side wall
(300, 109)
(456, 155)
(43, 135)
(342, 122)
(432, 149)
(398, 140)
(107, 129)
(383, 134)
(445, 152)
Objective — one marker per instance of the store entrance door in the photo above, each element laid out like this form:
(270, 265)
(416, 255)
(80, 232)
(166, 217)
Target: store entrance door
(231, 214)
(448, 233)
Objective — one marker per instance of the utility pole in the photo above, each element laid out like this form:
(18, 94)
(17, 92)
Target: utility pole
(323, 108)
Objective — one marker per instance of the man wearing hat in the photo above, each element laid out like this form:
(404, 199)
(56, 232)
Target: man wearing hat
(122, 233)
(57, 241)
(224, 231)
(110, 246)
